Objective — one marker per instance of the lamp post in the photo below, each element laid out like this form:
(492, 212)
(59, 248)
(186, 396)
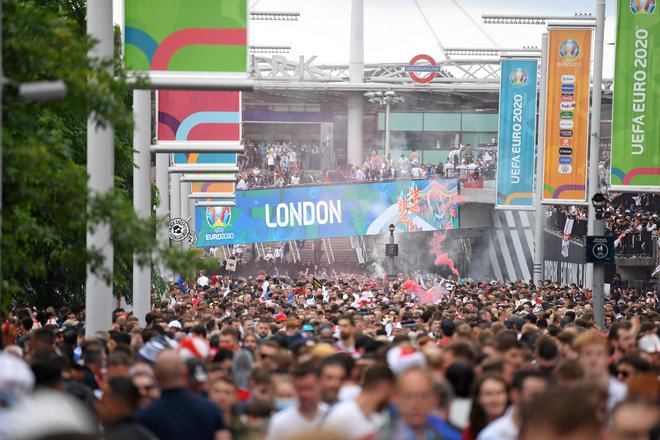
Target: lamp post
(392, 251)
(387, 99)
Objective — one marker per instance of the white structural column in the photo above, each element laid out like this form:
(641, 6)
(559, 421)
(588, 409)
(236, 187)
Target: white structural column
(142, 195)
(596, 273)
(163, 209)
(184, 203)
(101, 170)
(539, 216)
(356, 75)
(175, 195)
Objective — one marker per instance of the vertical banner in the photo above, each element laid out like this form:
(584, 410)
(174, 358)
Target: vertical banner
(567, 116)
(635, 129)
(517, 134)
(186, 36)
(199, 116)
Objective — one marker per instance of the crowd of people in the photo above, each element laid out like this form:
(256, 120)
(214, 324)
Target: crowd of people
(342, 356)
(631, 218)
(282, 165)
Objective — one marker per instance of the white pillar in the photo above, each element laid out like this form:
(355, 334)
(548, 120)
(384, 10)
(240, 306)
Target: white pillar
(596, 273)
(101, 169)
(539, 217)
(185, 203)
(175, 195)
(387, 129)
(163, 209)
(356, 75)
(355, 134)
(142, 195)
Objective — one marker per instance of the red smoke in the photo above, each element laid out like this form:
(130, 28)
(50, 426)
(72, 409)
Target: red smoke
(459, 199)
(442, 258)
(424, 296)
(431, 296)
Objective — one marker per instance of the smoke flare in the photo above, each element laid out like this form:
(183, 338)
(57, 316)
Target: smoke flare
(442, 258)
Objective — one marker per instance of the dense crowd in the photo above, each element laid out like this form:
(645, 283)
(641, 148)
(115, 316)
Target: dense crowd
(286, 164)
(631, 218)
(339, 357)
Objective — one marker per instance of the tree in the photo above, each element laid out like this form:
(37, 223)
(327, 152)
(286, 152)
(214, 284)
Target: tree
(45, 196)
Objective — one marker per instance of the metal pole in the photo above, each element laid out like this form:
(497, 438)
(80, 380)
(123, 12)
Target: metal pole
(175, 193)
(392, 271)
(596, 273)
(184, 203)
(387, 129)
(163, 209)
(142, 195)
(2, 87)
(539, 217)
(100, 167)
(356, 75)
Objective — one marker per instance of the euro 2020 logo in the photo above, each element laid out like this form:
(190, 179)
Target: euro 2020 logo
(218, 217)
(518, 77)
(642, 6)
(569, 49)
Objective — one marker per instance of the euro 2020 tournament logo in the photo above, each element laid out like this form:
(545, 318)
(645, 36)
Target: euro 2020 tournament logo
(642, 6)
(218, 217)
(518, 77)
(569, 49)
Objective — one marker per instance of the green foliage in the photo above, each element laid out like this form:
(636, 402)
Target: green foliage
(45, 198)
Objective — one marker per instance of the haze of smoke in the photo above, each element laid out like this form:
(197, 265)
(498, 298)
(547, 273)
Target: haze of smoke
(442, 258)
(431, 296)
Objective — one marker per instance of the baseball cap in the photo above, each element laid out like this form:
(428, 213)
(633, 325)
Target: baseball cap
(175, 324)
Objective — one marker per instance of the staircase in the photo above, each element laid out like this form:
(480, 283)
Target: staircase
(337, 249)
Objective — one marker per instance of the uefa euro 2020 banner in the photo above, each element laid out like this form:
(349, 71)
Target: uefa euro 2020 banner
(199, 116)
(186, 35)
(517, 134)
(635, 124)
(567, 116)
(330, 211)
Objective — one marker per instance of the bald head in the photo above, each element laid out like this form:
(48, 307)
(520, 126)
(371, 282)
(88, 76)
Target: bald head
(170, 370)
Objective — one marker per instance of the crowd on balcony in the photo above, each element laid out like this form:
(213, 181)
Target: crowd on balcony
(281, 164)
(632, 218)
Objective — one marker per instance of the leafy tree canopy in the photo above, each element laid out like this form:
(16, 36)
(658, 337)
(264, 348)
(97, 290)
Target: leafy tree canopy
(45, 197)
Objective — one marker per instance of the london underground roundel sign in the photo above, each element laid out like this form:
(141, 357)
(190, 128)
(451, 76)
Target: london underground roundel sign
(431, 68)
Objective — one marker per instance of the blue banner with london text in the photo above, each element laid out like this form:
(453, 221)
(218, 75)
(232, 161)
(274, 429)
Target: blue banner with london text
(517, 134)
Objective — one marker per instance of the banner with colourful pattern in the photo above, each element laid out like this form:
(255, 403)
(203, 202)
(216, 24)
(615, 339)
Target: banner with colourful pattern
(567, 116)
(199, 116)
(635, 129)
(517, 134)
(330, 211)
(186, 36)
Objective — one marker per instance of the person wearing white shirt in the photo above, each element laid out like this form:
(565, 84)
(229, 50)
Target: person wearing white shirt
(362, 418)
(359, 175)
(455, 154)
(242, 184)
(203, 280)
(448, 169)
(305, 417)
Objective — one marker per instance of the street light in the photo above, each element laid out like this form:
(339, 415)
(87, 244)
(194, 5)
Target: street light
(599, 204)
(391, 251)
(387, 98)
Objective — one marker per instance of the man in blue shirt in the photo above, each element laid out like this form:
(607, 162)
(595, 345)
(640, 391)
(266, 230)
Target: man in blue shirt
(179, 414)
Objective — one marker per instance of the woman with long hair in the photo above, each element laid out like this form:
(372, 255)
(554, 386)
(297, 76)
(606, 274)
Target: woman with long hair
(490, 398)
